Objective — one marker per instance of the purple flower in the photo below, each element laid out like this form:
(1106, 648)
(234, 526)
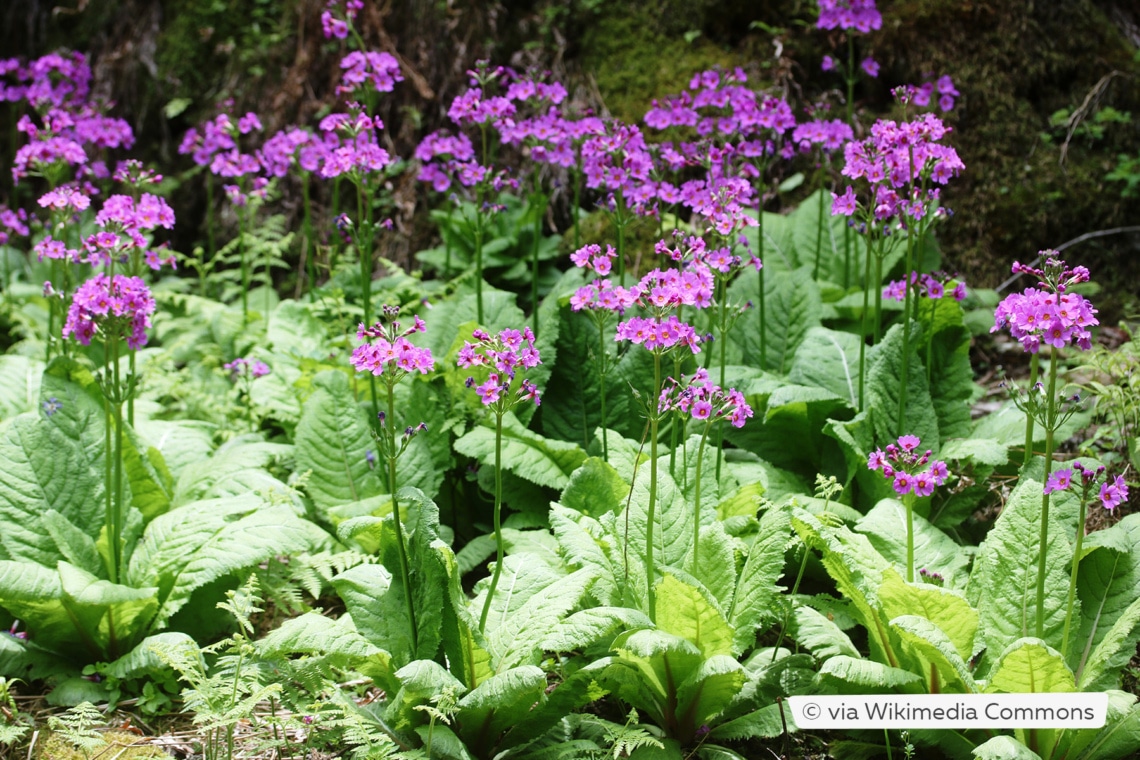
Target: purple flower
(1113, 494)
(870, 66)
(508, 354)
(828, 63)
(1059, 481)
(121, 308)
(1048, 314)
(391, 352)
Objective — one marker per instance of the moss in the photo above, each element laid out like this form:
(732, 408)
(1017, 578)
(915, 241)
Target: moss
(121, 745)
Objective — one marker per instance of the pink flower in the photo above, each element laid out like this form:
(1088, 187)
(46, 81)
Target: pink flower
(1059, 481)
(1113, 494)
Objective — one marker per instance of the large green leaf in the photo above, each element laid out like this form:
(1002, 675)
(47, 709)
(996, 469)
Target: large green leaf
(1106, 663)
(294, 329)
(714, 567)
(673, 521)
(755, 599)
(1003, 584)
(787, 414)
(238, 467)
(1029, 666)
(946, 609)
(517, 639)
(710, 690)
(947, 352)
(595, 488)
(883, 389)
(1107, 582)
(853, 675)
(1004, 748)
(584, 543)
(498, 703)
(529, 455)
(187, 548)
(818, 634)
(931, 653)
(792, 307)
(683, 611)
(828, 359)
(332, 441)
(73, 613)
(44, 470)
(19, 384)
(934, 551)
(818, 233)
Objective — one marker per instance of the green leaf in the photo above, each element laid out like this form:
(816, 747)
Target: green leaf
(74, 545)
(817, 633)
(756, 593)
(673, 520)
(316, 635)
(947, 609)
(236, 468)
(517, 639)
(789, 413)
(1003, 584)
(683, 611)
(1004, 748)
(187, 548)
(1120, 737)
(814, 228)
(715, 565)
(1107, 662)
(934, 655)
(529, 455)
(584, 543)
(984, 451)
(853, 675)
(885, 527)
(951, 376)
(590, 626)
(710, 690)
(1106, 585)
(498, 703)
(332, 440)
(595, 488)
(828, 359)
(180, 442)
(1029, 666)
(792, 307)
(142, 662)
(883, 388)
(20, 378)
(764, 723)
(294, 330)
(44, 470)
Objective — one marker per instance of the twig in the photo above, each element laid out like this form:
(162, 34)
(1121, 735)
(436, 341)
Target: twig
(1078, 115)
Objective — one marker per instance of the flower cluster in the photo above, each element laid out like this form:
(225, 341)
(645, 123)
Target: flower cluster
(1048, 314)
(860, 15)
(659, 333)
(506, 353)
(591, 257)
(119, 307)
(931, 286)
(906, 469)
(897, 160)
(335, 25)
(12, 223)
(704, 400)
(240, 367)
(381, 69)
(390, 351)
(922, 95)
(603, 295)
(830, 135)
(1113, 491)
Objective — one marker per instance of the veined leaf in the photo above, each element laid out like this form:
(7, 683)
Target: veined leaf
(683, 611)
(527, 454)
(235, 469)
(885, 527)
(518, 639)
(792, 307)
(946, 609)
(818, 634)
(710, 690)
(715, 565)
(1004, 748)
(764, 723)
(1029, 666)
(858, 676)
(1003, 585)
(591, 626)
(1106, 585)
(332, 440)
(828, 359)
(189, 547)
(818, 233)
(1105, 665)
(755, 598)
(883, 388)
(498, 703)
(20, 383)
(595, 488)
(933, 654)
(293, 329)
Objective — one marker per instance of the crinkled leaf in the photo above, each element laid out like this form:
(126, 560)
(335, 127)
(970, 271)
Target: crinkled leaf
(683, 610)
(1106, 585)
(792, 307)
(820, 635)
(756, 591)
(853, 675)
(931, 653)
(934, 551)
(946, 609)
(529, 455)
(828, 359)
(883, 389)
(1029, 666)
(595, 488)
(19, 384)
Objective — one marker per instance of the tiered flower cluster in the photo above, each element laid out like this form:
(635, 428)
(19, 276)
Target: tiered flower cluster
(506, 353)
(1113, 491)
(907, 470)
(932, 286)
(898, 160)
(1048, 314)
(662, 292)
(114, 308)
(703, 399)
(387, 350)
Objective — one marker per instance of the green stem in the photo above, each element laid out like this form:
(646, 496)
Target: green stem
(908, 502)
(878, 286)
(539, 209)
(309, 250)
(603, 362)
(905, 375)
(760, 271)
(1034, 365)
(115, 539)
(863, 327)
(1051, 419)
(131, 397)
(654, 419)
(619, 217)
(210, 241)
(791, 600)
(697, 496)
(244, 269)
(497, 517)
(818, 236)
(1073, 576)
(401, 549)
(850, 74)
(847, 258)
(108, 473)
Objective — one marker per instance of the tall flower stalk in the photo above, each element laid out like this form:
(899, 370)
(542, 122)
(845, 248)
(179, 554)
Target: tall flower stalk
(1047, 315)
(507, 356)
(388, 354)
(115, 309)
